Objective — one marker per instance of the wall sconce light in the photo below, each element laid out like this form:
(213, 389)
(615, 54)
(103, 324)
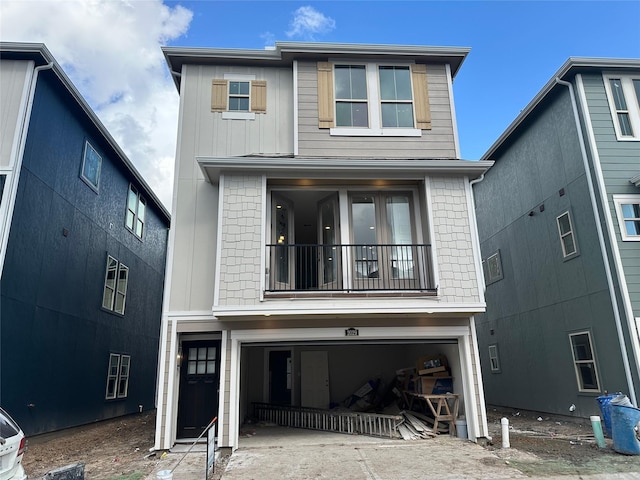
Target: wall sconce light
(179, 357)
(542, 208)
(531, 213)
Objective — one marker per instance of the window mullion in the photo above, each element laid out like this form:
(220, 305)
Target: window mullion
(373, 94)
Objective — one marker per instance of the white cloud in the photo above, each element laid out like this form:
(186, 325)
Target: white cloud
(111, 51)
(307, 21)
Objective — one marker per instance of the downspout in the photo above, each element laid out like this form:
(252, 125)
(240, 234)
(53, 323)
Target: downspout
(605, 257)
(484, 428)
(17, 166)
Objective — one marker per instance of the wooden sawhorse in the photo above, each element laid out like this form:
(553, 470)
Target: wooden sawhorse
(443, 407)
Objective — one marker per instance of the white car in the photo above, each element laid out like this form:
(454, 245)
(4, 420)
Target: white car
(12, 447)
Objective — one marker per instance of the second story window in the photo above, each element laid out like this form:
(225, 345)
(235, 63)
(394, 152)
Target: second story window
(373, 100)
(136, 206)
(91, 166)
(624, 101)
(116, 280)
(395, 97)
(238, 97)
(567, 237)
(493, 268)
(351, 96)
(628, 209)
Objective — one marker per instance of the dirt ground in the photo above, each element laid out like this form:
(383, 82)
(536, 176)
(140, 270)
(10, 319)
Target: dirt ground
(119, 449)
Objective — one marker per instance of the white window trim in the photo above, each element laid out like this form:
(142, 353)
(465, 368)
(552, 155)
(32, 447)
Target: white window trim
(493, 355)
(238, 115)
(572, 231)
(117, 377)
(619, 200)
(238, 77)
(87, 146)
(577, 362)
(115, 292)
(139, 199)
(633, 107)
(374, 105)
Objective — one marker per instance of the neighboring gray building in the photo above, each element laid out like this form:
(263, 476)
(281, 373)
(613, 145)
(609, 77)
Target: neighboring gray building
(322, 231)
(559, 225)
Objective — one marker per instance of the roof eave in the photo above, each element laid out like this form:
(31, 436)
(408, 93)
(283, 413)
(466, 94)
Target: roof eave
(296, 167)
(28, 50)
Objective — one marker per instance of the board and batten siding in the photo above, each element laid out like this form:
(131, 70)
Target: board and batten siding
(457, 281)
(13, 85)
(438, 142)
(212, 135)
(620, 161)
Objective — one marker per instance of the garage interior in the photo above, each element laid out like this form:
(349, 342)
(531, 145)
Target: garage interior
(336, 375)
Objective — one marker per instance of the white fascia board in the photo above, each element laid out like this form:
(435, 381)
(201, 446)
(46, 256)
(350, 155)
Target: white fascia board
(337, 333)
(368, 308)
(289, 167)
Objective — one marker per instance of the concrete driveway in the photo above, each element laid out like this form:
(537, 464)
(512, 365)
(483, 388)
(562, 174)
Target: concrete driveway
(267, 453)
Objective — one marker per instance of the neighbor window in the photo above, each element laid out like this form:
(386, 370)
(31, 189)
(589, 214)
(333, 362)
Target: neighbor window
(115, 286)
(567, 237)
(136, 206)
(494, 360)
(91, 166)
(628, 210)
(493, 268)
(624, 102)
(238, 96)
(584, 362)
(371, 99)
(118, 376)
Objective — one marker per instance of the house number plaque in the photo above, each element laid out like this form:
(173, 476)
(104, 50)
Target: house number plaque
(351, 332)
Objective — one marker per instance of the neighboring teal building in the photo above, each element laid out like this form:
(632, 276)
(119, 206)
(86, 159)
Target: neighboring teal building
(559, 225)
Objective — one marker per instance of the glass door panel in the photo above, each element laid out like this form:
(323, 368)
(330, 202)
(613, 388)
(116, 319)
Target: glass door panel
(282, 259)
(329, 251)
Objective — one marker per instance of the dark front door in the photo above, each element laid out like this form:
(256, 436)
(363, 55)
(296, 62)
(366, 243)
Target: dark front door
(199, 384)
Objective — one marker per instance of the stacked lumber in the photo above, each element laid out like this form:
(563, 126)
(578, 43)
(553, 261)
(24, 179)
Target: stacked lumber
(414, 428)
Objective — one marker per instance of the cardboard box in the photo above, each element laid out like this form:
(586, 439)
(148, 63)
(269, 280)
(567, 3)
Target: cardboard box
(434, 385)
(431, 371)
(431, 361)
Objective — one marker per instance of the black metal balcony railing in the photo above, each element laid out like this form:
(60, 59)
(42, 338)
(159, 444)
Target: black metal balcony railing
(349, 268)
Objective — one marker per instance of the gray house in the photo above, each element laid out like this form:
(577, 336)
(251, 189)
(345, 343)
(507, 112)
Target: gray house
(559, 226)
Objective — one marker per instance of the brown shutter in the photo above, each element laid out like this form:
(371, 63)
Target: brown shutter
(325, 95)
(218, 95)
(259, 96)
(421, 96)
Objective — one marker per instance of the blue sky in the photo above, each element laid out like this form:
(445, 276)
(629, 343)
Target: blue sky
(111, 51)
(516, 46)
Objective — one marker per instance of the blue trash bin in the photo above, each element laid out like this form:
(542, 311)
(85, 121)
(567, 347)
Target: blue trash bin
(604, 402)
(625, 425)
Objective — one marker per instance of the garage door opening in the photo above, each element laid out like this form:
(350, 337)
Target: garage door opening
(333, 385)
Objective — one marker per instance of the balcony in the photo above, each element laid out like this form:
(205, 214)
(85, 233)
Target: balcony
(324, 269)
